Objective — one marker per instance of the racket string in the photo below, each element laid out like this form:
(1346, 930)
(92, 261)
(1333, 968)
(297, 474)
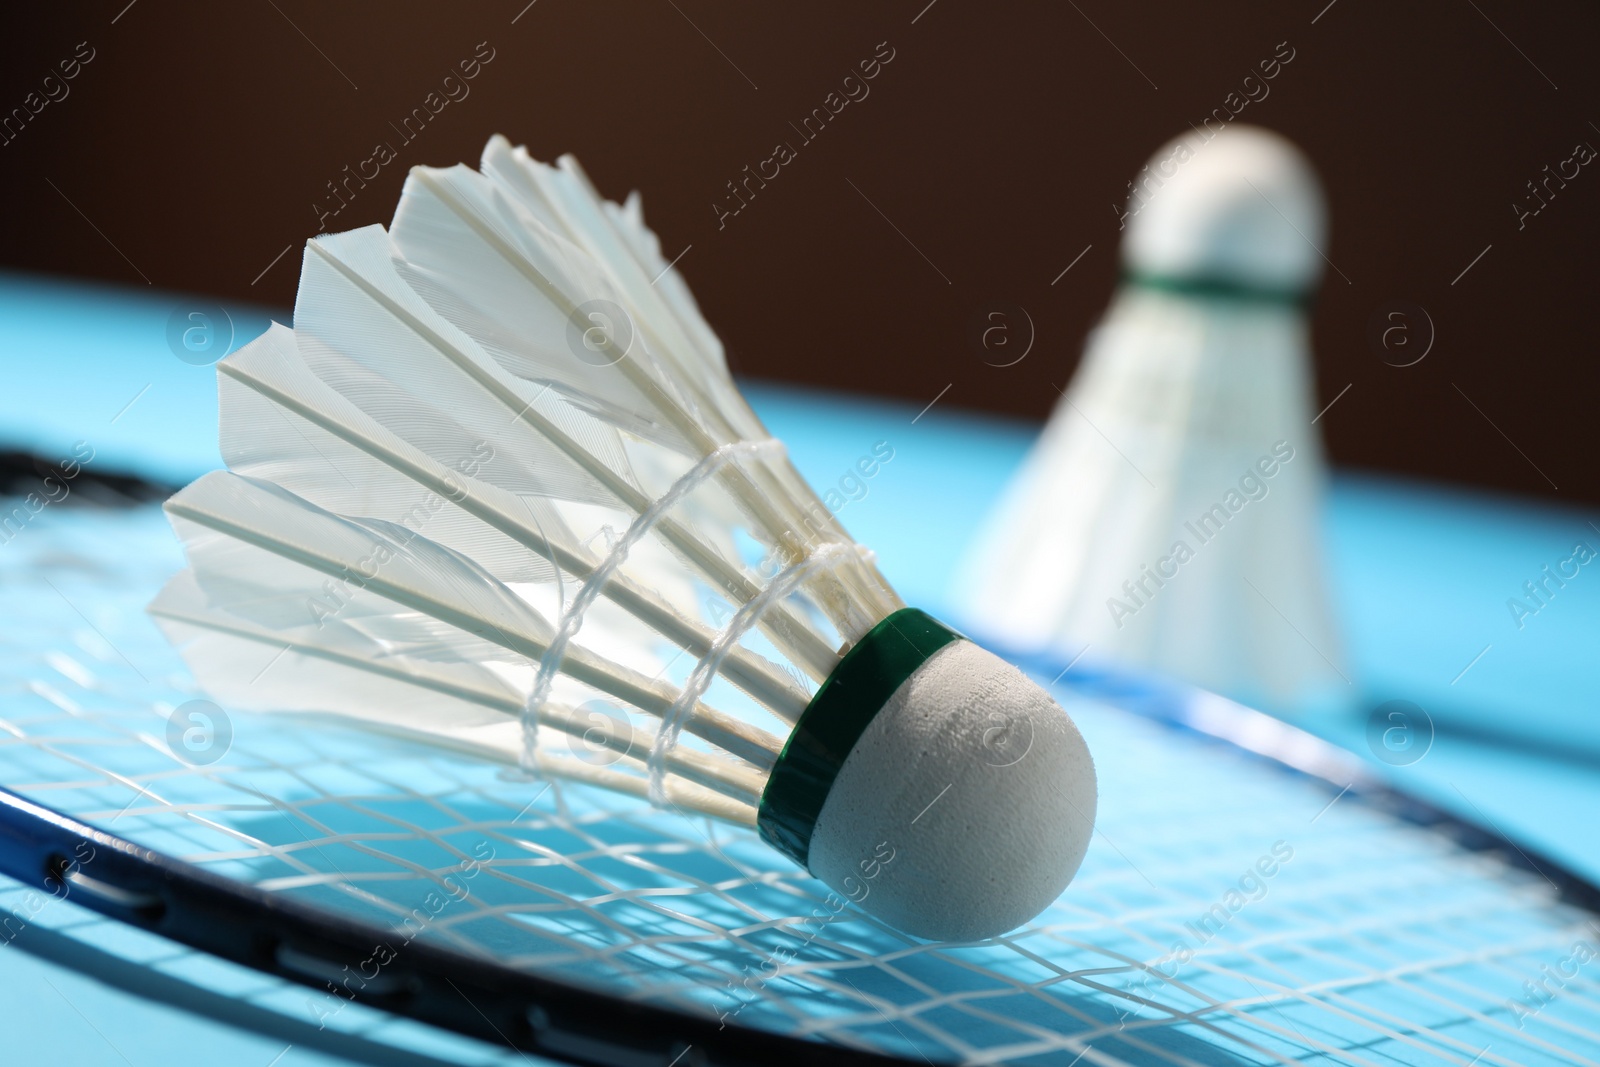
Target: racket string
(1380, 943)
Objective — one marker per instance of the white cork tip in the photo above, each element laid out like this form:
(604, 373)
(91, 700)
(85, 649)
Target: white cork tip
(966, 806)
(1241, 203)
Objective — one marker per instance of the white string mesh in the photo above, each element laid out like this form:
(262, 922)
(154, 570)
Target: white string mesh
(1375, 942)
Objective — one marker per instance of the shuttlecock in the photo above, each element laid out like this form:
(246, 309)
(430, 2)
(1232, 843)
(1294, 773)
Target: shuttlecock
(496, 489)
(1168, 517)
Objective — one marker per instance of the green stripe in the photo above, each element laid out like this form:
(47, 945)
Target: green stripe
(1213, 287)
(834, 721)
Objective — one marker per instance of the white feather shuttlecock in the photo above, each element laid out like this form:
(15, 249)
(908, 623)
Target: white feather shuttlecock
(497, 490)
(1168, 518)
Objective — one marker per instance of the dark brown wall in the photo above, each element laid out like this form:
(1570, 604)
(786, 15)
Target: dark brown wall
(996, 143)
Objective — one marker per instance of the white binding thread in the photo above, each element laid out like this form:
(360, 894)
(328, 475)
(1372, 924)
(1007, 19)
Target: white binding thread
(572, 617)
(745, 618)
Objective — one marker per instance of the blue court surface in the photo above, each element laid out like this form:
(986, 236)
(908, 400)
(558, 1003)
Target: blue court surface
(1422, 573)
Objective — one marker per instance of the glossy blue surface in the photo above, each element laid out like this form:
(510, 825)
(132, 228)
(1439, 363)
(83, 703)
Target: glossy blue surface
(1423, 575)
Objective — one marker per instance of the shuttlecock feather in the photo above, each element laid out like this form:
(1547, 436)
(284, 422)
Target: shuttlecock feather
(497, 490)
(1168, 517)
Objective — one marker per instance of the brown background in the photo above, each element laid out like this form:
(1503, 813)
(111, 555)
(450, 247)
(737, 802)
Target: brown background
(996, 141)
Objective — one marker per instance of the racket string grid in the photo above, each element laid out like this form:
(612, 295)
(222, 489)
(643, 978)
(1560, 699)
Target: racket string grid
(1373, 941)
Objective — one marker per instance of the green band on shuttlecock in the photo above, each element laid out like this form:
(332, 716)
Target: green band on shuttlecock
(849, 699)
(1211, 287)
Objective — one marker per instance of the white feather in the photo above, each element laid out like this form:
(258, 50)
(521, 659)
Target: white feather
(428, 467)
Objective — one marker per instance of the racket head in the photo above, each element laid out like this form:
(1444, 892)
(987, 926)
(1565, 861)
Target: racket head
(1239, 904)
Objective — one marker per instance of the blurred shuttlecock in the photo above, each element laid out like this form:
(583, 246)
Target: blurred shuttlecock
(497, 490)
(1168, 517)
